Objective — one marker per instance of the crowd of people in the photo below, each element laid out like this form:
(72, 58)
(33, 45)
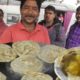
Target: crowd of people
(48, 31)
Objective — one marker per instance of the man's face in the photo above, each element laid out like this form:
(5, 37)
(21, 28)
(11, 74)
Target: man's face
(29, 11)
(49, 15)
(78, 16)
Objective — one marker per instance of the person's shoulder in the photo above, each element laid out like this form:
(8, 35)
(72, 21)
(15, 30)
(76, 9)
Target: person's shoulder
(57, 22)
(14, 26)
(42, 27)
(58, 25)
(73, 26)
(42, 22)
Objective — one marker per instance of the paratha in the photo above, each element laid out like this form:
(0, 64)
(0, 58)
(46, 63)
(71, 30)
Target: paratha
(26, 47)
(36, 76)
(57, 78)
(77, 49)
(2, 76)
(27, 62)
(6, 53)
(71, 77)
(50, 52)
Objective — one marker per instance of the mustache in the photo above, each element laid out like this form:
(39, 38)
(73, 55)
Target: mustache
(29, 16)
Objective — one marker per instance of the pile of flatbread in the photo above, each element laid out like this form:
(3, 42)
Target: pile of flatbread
(29, 57)
(77, 49)
(71, 77)
(50, 52)
(2, 76)
(27, 62)
(26, 47)
(36, 76)
(6, 53)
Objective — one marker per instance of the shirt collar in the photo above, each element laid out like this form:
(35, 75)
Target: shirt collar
(21, 26)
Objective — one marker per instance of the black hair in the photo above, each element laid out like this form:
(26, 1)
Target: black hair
(52, 8)
(78, 9)
(37, 1)
(1, 11)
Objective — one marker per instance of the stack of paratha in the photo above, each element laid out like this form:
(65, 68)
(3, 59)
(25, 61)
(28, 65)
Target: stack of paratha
(26, 47)
(28, 56)
(36, 76)
(50, 52)
(2, 76)
(72, 77)
(6, 53)
(26, 62)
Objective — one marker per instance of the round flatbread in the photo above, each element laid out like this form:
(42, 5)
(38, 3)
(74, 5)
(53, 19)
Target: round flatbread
(26, 47)
(50, 52)
(57, 78)
(77, 49)
(36, 76)
(6, 53)
(2, 76)
(27, 62)
(71, 77)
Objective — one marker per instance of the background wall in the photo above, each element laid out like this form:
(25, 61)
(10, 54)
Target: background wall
(11, 13)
